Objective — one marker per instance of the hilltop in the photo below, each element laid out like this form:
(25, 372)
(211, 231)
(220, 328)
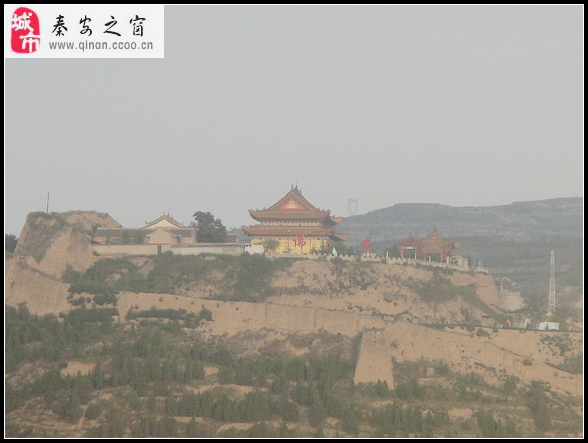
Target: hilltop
(251, 346)
(560, 217)
(513, 241)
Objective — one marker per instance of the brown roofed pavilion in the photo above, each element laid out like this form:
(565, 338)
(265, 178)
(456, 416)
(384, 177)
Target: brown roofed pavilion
(432, 246)
(296, 224)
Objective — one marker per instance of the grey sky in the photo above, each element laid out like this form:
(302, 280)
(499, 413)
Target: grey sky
(464, 106)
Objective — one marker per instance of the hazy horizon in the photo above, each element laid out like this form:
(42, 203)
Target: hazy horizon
(454, 105)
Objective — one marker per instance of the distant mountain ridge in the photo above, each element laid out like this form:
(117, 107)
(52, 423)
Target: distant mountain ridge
(519, 220)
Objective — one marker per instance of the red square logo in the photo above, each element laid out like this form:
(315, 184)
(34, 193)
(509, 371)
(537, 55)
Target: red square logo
(25, 31)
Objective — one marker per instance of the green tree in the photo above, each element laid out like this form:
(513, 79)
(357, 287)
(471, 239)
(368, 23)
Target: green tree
(93, 411)
(139, 237)
(351, 420)
(538, 405)
(225, 375)
(125, 238)
(171, 406)
(280, 383)
(435, 291)
(318, 411)
(284, 432)
(271, 244)
(151, 403)
(510, 385)
(288, 409)
(83, 387)
(98, 377)
(68, 406)
(490, 428)
(208, 228)
(259, 430)
(12, 397)
(136, 402)
(393, 251)
(168, 427)
(343, 248)
(192, 430)
(10, 242)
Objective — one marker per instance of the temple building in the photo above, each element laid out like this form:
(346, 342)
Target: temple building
(432, 247)
(408, 247)
(296, 225)
(161, 231)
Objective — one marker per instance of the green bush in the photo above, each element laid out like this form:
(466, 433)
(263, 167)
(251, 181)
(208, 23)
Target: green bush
(490, 428)
(410, 390)
(482, 333)
(93, 411)
(510, 385)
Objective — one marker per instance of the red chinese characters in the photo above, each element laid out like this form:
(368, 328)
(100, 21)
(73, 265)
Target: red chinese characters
(25, 31)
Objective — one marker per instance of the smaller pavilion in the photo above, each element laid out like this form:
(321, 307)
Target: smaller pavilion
(432, 247)
(161, 231)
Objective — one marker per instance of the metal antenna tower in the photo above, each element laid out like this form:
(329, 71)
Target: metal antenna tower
(352, 206)
(552, 284)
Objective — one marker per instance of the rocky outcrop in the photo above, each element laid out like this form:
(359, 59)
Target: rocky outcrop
(49, 245)
(42, 293)
(53, 243)
(91, 220)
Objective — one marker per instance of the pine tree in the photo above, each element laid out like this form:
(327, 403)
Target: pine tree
(225, 375)
(83, 387)
(13, 397)
(298, 393)
(171, 405)
(136, 402)
(93, 411)
(167, 427)
(69, 406)
(284, 432)
(115, 379)
(151, 403)
(280, 383)
(192, 430)
(206, 404)
(351, 420)
(218, 408)
(189, 371)
(317, 411)
(139, 378)
(259, 430)
(351, 388)
(138, 432)
(98, 377)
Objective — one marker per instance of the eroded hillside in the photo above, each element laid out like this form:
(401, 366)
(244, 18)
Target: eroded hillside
(185, 346)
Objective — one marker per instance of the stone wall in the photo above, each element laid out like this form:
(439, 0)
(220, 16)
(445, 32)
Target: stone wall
(129, 249)
(235, 317)
(375, 359)
(209, 248)
(218, 248)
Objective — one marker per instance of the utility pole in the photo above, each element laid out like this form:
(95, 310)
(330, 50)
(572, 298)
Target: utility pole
(552, 284)
(47, 203)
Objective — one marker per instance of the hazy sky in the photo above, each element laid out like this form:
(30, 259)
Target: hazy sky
(458, 105)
